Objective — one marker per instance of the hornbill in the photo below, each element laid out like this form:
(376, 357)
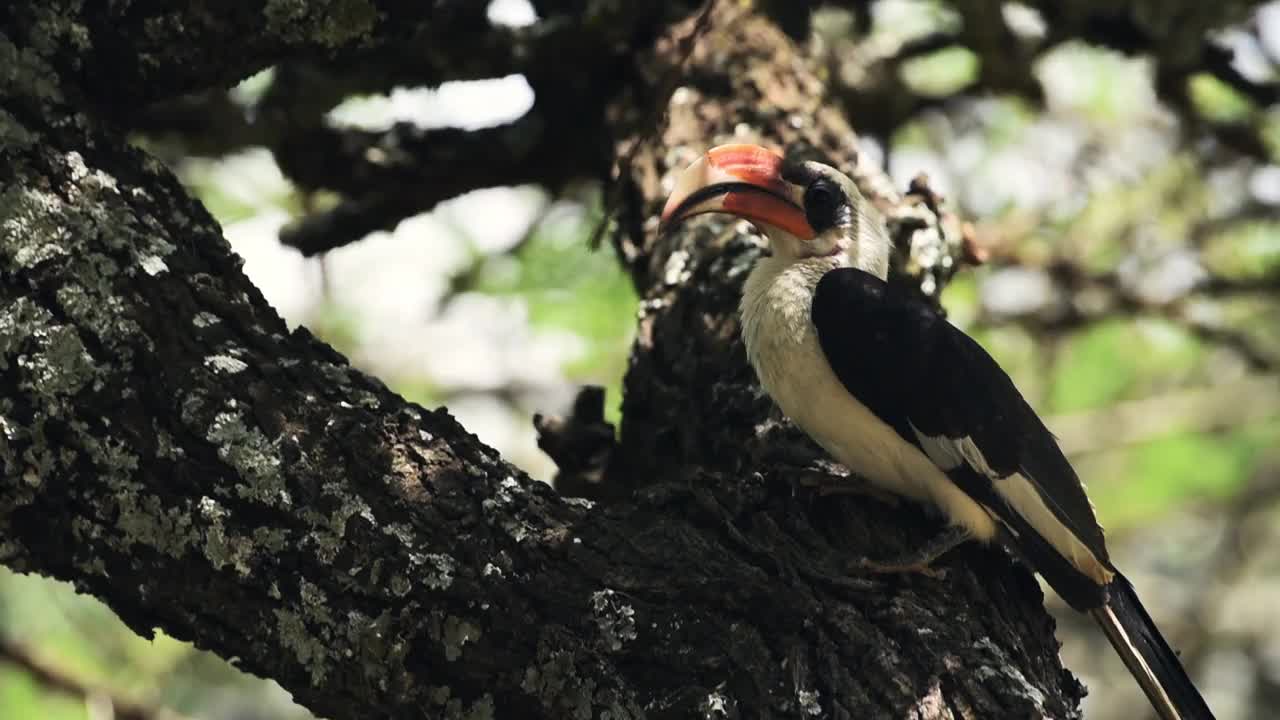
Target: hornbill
(880, 379)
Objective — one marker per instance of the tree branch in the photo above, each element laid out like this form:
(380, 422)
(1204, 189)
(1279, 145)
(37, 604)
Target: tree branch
(132, 54)
(393, 175)
(169, 446)
(387, 177)
(204, 470)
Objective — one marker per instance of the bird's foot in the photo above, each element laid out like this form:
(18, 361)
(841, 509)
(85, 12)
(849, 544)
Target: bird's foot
(921, 561)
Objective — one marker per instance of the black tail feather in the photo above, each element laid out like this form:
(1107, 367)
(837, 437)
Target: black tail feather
(1153, 663)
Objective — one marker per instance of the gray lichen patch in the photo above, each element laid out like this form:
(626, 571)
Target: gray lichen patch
(88, 219)
(375, 644)
(481, 709)
(112, 456)
(329, 530)
(220, 549)
(434, 569)
(153, 265)
(14, 136)
(20, 495)
(39, 227)
(225, 364)
(717, 705)
(60, 366)
(808, 700)
(37, 217)
(24, 73)
(453, 708)
(88, 181)
(555, 682)
(615, 618)
(55, 26)
(273, 540)
(18, 321)
(10, 434)
(564, 691)
(499, 509)
(166, 446)
(144, 519)
(35, 461)
(223, 548)
(337, 375)
(315, 601)
(309, 651)
(399, 531)
(31, 231)
(677, 268)
(331, 22)
(205, 319)
(400, 585)
(94, 305)
(1008, 671)
(37, 253)
(247, 450)
(456, 633)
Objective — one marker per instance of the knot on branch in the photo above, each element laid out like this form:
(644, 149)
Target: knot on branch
(580, 444)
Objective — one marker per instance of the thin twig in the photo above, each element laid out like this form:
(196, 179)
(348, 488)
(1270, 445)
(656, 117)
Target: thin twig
(61, 682)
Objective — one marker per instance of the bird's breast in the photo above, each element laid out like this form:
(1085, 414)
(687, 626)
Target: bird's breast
(782, 344)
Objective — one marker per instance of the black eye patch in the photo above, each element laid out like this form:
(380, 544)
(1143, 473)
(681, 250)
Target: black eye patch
(797, 171)
(825, 205)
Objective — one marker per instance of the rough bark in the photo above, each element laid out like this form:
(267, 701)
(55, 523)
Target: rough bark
(171, 447)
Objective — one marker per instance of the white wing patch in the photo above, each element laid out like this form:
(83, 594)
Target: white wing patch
(948, 453)
(943, 451)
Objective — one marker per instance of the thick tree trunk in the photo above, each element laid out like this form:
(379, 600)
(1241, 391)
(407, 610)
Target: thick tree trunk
(171, 447)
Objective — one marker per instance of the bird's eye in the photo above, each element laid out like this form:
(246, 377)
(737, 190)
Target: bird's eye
(822, 202)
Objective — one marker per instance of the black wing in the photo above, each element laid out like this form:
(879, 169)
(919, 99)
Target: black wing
(918, 372)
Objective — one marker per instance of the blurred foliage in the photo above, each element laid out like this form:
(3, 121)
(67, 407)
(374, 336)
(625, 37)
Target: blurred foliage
(1104, 86)
(1248, 251)
(1118, 359)
(567, 286)
(1218, 101)
(338, 326)
(942, 73)
(232, 197)
(1147, 480)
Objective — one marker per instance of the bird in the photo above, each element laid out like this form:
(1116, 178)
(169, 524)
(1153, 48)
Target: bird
(881, 380)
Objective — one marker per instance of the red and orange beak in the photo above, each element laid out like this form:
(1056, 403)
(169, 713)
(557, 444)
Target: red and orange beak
(742, 180)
